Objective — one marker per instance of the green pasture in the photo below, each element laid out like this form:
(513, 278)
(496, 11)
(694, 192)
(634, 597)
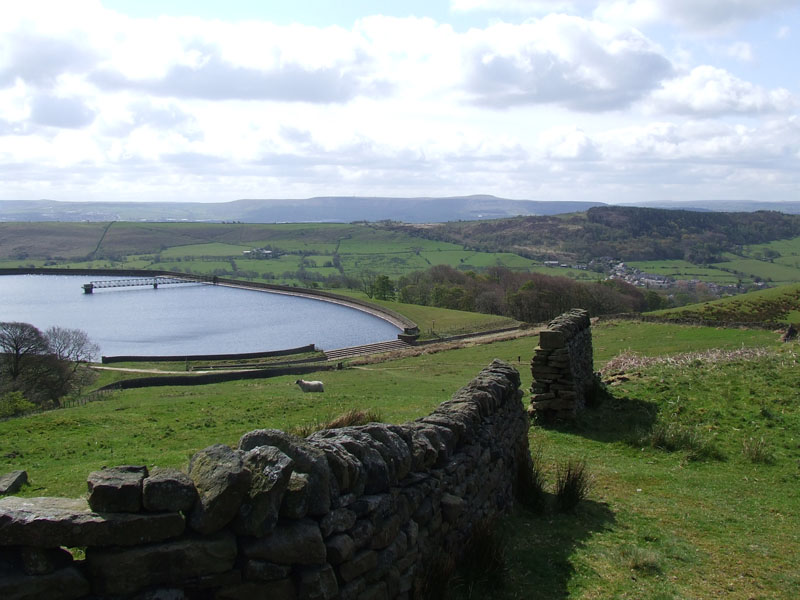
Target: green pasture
(788, 250)
(681, 269)
(780, 304)
(213, 249)
(657, 524)
(767, 271)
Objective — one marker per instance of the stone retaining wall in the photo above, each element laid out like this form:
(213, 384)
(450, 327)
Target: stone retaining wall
(562, 367)
(351, 513)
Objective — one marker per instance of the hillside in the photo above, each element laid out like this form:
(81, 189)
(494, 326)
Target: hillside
(780, 304)
(626, 233)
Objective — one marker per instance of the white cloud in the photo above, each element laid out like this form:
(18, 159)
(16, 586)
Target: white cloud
(784, 33)
(568, 143)
(519, 6)
(68, 113)
(97, 105)
(705, 15)
(742, 51)
(712, 91)
(581, 64)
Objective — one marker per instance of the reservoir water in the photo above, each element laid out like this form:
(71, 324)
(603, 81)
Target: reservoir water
(185, 319)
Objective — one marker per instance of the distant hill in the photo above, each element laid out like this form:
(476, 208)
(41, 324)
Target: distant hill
(791, 208)
(329, 209)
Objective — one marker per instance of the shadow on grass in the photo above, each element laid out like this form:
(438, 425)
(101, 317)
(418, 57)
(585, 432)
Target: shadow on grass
(611, 419)
(538, 553)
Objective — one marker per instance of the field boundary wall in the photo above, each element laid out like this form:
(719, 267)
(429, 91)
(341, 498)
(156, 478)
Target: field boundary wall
(352, 513)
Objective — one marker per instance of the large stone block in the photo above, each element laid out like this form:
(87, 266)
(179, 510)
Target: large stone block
(361, 563)
(271, 471)
(291, 542)
(222, 481)
(551, 339)
(168, 490)
(54, 522)
(317, 583)
(308, 459)
(295, 498)
(127, 570)
(118, 489)
(64, 584)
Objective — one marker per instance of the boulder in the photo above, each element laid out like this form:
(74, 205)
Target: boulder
(12, 482)
(222, 481)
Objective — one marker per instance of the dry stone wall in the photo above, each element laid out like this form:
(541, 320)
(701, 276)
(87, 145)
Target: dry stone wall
(562, 367)
(350, 513)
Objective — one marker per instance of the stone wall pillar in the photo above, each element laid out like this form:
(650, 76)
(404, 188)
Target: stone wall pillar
(562, 367)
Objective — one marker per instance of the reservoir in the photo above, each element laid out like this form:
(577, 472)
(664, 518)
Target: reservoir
(185, 319)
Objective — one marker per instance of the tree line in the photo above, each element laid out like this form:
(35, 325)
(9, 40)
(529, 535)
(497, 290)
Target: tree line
(530, 297)
(37, 368)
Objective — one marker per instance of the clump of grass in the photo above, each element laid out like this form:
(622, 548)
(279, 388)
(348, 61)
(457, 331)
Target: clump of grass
(573, 482)
(351, 418)
(437, 577)
(643, 560)
(480, 565)
(484, 558)
(531, 482)
(674, 436)
(758, 451)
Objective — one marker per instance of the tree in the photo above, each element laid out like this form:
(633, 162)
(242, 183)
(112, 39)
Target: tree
(367, 282)
(20, 343)
(383, 288)
(72, 345)
(43, 367)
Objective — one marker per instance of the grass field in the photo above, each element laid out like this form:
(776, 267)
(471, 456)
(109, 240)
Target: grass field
(780, 304)
(681, 269)
(658, 524)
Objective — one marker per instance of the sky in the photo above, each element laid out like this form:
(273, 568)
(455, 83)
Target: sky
(593, 100)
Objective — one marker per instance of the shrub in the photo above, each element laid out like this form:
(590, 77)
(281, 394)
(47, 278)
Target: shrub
(14, 403)
(572, 484)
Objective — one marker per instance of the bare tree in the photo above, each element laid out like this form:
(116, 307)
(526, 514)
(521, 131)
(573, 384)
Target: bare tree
(19, 343)
(43, 367)
(71, 345)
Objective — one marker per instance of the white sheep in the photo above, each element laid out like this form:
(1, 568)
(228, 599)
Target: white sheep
(310, 386)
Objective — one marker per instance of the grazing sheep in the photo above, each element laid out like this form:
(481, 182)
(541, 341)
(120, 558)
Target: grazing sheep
(310, 386)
